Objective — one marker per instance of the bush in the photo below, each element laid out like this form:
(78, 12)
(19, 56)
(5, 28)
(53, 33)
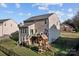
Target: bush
(15, 36)
(77, 29)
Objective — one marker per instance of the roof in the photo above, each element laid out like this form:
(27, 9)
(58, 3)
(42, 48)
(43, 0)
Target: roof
(3, 20)
(39, 17)
(23, 26)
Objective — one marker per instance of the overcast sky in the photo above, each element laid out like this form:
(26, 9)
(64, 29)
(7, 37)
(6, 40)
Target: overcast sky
(21, 11)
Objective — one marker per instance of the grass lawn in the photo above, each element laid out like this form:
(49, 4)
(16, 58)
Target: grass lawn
(2, 54)
(23, 51)
(60, 49)
(70, 35)
(67, 41)
(10, 44)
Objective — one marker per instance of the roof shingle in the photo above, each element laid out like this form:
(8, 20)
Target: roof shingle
(3, 20)
(39, 17)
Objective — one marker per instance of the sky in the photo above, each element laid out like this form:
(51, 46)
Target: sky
(22, 11)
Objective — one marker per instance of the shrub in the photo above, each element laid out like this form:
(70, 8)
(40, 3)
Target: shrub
(15, 36)
(77, 29)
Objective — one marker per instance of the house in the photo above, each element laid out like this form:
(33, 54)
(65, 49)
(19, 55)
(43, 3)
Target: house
(67, 28)
(7, 27)
(48, 24)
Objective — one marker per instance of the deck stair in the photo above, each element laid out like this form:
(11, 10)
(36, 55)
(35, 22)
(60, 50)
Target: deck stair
(41, 40)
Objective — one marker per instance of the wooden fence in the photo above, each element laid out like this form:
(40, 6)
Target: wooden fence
(8, 52)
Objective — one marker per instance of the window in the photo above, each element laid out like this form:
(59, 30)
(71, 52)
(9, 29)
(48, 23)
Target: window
(45, 21)
(11, 25)
(35, 30)
(21, 30)
(46, 32)
(31, 31)
(25, 30)
(5, 24)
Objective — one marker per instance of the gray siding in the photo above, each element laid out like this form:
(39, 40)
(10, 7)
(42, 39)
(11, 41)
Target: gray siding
(40, 26)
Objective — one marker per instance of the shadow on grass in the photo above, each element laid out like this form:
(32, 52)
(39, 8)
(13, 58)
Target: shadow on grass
(67, 42)
(32, 47)
(35, 49)
(64, 43)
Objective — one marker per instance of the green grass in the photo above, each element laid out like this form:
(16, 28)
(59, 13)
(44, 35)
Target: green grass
(66, 41)
(70, 35)
(22, 51)
(59, 48)
(19, 50)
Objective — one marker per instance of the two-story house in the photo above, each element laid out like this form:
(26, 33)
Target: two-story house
(7, 27)
(48, 24)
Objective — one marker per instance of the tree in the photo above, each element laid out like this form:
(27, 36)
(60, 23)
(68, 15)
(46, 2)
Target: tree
(69, 22)
(76, 20)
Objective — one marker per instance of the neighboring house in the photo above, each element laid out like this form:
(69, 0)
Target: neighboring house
(67, 28)
(7, 27)
(48, 24)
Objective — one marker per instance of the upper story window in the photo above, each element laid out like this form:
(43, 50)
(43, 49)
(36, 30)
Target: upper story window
(5, 24)
(45, 21)
(11, 25)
